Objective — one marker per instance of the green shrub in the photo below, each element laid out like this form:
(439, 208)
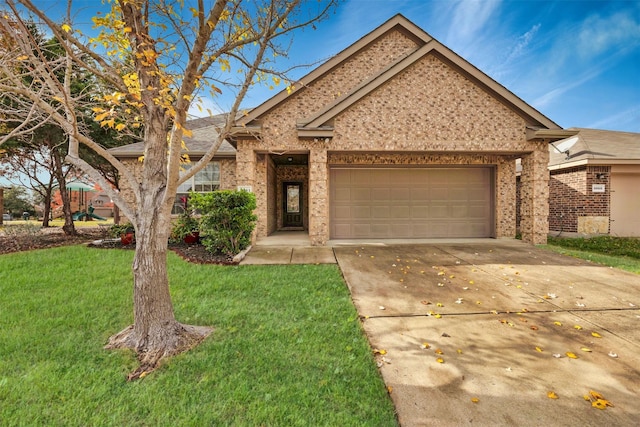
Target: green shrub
(227, 219)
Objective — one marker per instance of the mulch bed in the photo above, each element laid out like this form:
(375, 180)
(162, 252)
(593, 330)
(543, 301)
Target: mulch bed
(52, 238)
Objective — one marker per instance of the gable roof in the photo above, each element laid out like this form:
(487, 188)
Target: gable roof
(319, 123)
(594, 146)
(205, 132)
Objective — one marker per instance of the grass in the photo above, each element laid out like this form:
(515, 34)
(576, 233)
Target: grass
(288, 349)
(58, 222)
(617, 252)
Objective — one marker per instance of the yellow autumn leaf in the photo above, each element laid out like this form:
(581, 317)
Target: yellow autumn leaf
(426, 345)
(571, 355)
(601, 404)
(22, 57)
(66, 28)
(440, 360)
(577, 327)
(586, 349)
(437, 316)
(390, 389)
(538, 349)
(595, 334)
(439, 304)
(382, 352)
(557, 323)
(552, 395)
(459, 351)
(475, 400)
(120, 126)
(595, 395)
(101, 117)
(438, 351)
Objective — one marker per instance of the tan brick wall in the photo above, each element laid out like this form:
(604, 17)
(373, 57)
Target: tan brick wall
(430, 107)
(272, 204)
(227, 174)
(534, 196)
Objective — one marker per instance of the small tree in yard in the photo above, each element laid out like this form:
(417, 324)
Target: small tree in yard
(159, 56)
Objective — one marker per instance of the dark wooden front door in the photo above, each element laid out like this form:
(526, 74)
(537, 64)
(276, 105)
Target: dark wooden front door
(292, 204)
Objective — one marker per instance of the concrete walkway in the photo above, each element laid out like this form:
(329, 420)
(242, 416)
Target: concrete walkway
(480, 332)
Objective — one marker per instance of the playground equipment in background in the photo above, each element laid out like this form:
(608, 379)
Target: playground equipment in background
(87, 216)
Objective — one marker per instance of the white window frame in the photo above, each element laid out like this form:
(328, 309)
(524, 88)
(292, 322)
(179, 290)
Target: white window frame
(199, 183)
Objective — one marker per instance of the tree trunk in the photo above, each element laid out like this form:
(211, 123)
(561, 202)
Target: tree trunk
(155, 333)
(68, 227)
(46, 211)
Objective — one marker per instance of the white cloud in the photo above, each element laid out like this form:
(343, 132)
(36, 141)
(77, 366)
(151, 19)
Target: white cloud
(600, 35)
(551, 95)
(522, 43)
(470, 17)
(629, 116)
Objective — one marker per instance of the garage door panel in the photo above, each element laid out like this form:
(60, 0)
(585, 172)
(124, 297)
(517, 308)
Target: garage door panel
(381, 194)
(400, 211)
(400, 194)
(411, 203)
(381, 212)
(343, 194)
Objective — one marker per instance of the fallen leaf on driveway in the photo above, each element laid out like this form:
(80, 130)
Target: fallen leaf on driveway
(586, 349)
(571, 355)
(425, 302)
(533, 327)
(376, 351)
(552, 395)
(475, 400)
(425, 345)
(440, 360)
(538, 349)
(612, 354)
(438, 351)
(577, 327)
(597, 400)
(557, 323)
(595, 334)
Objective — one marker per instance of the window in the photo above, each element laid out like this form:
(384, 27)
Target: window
(206, 180)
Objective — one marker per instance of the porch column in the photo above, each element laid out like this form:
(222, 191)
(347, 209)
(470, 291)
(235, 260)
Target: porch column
(318, 197)
(534, 208)
(505, 198)
(246, 178)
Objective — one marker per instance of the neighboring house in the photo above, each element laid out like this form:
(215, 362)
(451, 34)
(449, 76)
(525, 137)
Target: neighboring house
(395, 137)
(595, 183)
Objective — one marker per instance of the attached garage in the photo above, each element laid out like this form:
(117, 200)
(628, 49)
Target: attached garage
(451, 202)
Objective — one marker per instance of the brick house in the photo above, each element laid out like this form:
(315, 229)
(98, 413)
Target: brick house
(394, 137)
(594, 186)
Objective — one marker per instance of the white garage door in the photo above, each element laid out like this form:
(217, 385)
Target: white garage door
(411, 203)
(625, 204)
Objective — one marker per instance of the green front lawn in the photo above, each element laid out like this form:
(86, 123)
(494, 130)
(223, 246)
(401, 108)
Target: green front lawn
(288, 349)
(618, 252)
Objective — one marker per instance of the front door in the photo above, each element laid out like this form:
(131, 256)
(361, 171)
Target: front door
(292, 204)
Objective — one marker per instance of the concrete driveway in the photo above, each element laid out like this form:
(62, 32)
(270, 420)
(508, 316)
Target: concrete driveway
(500, 322)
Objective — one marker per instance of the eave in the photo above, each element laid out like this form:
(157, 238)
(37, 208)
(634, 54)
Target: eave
(550, 135)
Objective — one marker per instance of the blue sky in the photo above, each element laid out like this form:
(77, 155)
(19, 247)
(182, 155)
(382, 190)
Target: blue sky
(577, 62)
